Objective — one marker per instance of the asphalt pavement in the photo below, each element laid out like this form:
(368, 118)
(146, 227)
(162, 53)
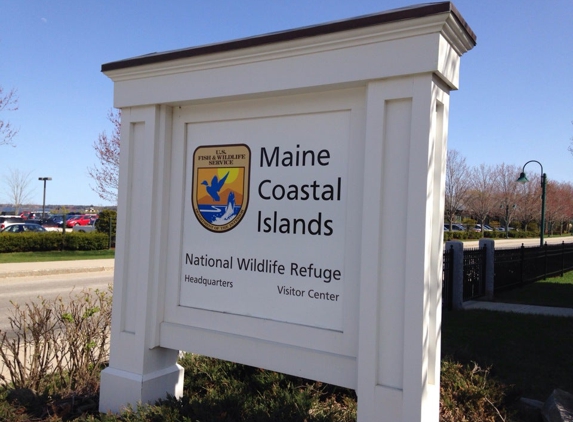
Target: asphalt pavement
(27, 269)
(516, 243)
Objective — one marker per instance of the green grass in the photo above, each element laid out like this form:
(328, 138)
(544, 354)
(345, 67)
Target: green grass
(557, 291)
(533, 353)
(530, 352)
(16, 257)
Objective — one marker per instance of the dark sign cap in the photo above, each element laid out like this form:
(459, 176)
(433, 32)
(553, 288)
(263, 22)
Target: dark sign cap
(411, 12)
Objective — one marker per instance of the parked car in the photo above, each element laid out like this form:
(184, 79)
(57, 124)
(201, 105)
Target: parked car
(23, 228)
(82, 220)
(85, 229)
(5, 220)
(485, 228)
(54, 223)
(455, 227)
(502, 229)
(32, 215)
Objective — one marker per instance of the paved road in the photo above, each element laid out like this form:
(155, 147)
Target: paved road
(27, 289)
(516, 243)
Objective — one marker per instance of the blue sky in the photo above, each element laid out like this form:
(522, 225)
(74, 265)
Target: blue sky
(515, 101)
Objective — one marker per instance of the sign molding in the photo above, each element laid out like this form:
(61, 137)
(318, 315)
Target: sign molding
(382, 99)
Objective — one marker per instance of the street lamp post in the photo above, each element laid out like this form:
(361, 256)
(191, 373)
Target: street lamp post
(523, 179)
(44, 179)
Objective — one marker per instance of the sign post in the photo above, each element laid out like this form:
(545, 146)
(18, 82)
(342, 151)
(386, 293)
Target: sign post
(281, 206)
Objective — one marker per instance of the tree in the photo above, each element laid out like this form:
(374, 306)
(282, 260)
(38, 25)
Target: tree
(559, 206)
(482, 199)
(106, 176)
(107, 223)
(17, 188)
(8, 102)
(529, 200)
(106, 218)
(457, 185)
(506, 192)
(571, 145)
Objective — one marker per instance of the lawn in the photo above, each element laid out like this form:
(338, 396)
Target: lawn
(532, 353)
(557, 291)
(6, 258)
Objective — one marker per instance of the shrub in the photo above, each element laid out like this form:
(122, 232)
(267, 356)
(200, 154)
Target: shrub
(93, 241)
(469, 394)
(220, 390)
(52, 241)
(57, 346)
(532, 226)
(30, 242)
(105, 219)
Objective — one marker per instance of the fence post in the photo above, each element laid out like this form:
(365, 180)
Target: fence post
(489, 245)
(522, 263)
(457, 264)
(545, 261)
(562, 258)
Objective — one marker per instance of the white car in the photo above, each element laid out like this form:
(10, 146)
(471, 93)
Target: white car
(84, 229)
(23, 228)
(486, 228)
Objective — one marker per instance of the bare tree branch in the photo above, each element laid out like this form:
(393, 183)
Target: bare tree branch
(106, 175)
(482, 199)
(8, 102)
(457, 185)
(18, 188)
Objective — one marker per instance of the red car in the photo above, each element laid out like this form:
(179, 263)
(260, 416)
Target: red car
(82, 220)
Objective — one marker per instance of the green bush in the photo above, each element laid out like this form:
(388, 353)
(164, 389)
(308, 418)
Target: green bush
(490, 235)
(105, 218)
(51, 241)
(217, 390)
(465, 235)
(93, 241)
(522, 234)
(30, 242)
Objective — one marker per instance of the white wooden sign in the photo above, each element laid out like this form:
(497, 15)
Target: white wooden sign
(281, 205)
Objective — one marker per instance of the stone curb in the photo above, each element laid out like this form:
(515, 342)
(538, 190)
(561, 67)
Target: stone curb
(54, 271)
(519, 308)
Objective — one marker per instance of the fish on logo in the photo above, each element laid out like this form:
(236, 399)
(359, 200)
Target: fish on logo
(221, 185)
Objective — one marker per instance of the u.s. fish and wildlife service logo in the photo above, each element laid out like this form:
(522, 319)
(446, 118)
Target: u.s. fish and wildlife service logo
(221, 185)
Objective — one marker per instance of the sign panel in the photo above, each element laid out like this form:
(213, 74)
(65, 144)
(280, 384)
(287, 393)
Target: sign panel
(265, 217)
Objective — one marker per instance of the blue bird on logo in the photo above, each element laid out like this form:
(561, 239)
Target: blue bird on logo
(215, 187)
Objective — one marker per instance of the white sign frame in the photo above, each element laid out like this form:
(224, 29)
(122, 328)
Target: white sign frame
(262, 336)
(387, 345)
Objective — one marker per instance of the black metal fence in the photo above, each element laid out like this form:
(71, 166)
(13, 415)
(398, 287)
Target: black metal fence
(448, 278)
(474, 269)
(512, 268)
(520, 266)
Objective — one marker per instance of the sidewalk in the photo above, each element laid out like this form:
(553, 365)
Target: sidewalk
(26, 269)
(518, 308)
